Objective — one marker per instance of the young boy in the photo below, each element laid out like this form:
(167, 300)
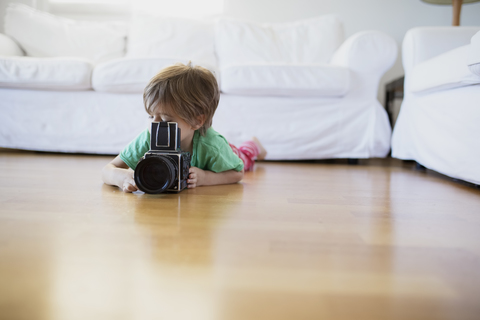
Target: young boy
(189, 96)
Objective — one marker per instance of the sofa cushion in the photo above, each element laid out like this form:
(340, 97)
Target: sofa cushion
(311, 41)
(45, 73)
(8, 47)
(446, 71)
(41, 34)
(128, 75)
(285, 80)
(172, 38)
(474, 56)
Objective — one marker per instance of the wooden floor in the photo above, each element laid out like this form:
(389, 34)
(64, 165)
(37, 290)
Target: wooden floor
(292, 241)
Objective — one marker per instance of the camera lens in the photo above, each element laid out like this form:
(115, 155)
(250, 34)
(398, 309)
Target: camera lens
(155, 174)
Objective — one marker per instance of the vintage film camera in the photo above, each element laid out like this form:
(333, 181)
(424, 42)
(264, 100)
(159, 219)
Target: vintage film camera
(165, 168)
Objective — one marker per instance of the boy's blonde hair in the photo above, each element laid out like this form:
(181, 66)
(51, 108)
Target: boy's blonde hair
(190, 92)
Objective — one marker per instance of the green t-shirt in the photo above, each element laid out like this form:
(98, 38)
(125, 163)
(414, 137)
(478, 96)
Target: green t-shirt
(210, 152)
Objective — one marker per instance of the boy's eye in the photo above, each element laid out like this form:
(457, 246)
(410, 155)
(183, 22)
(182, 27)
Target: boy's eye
(150, 117)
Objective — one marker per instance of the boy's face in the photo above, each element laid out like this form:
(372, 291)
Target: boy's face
(187, 131)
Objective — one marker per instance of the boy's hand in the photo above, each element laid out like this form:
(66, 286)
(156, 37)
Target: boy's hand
(196, 177)
(128, 183)
(117, 173)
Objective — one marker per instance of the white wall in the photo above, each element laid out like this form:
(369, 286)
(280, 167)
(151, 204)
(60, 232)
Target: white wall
(393, 17)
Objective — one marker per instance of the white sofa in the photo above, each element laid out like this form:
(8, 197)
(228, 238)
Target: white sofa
(299, 87)
(439, 121)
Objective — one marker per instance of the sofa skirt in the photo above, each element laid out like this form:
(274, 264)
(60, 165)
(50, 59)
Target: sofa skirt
(103, 123)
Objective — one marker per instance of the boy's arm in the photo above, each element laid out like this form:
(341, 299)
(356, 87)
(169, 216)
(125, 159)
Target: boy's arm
(199, 177)
(117, 173)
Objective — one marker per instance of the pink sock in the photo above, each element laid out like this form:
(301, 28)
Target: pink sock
(248, 152)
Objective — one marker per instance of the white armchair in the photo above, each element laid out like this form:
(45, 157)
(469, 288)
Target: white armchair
(438, 124)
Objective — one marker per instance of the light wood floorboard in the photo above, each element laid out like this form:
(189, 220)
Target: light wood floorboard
(291, 241)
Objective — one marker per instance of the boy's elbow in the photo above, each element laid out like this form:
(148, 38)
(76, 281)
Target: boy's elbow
(105, 171)
(239, 176)
(108, 173)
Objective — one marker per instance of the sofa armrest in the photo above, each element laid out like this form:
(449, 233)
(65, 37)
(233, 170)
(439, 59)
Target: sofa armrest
(423, 43)
(367, 52)
(8, 47)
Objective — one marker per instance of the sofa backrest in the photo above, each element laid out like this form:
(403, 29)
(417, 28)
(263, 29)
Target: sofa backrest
(41, 34)
(306, 42)
(124, 57)
(165, 37)
(423, 43)
(209, 43)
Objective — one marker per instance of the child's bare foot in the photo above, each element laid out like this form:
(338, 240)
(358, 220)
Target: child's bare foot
(263, 152)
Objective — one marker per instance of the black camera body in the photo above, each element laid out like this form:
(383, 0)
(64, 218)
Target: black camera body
(165, 167)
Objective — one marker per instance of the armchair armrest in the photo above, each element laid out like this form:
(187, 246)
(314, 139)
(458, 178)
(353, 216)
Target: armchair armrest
(8, 47)
(371, 52)
(423, 43)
